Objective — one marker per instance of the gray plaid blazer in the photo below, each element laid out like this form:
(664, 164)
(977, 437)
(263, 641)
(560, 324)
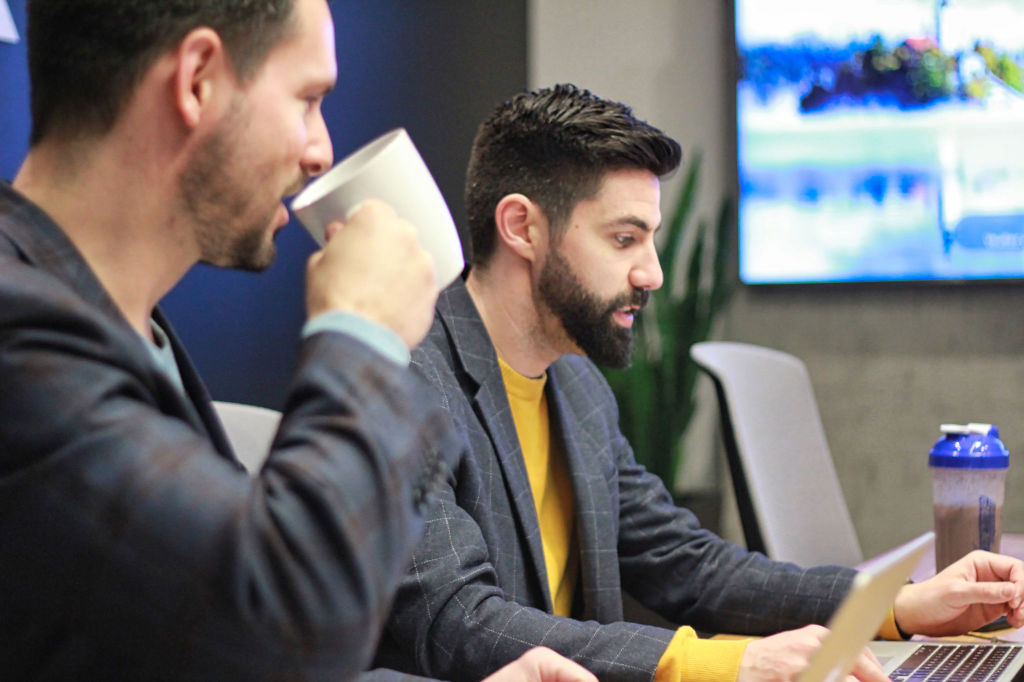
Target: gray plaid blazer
(134, 546)
(477, 594)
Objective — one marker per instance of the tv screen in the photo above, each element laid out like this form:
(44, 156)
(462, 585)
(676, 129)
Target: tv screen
(880, 140)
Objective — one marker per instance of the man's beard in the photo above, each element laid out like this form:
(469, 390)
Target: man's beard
(217, 189)
(584, 316)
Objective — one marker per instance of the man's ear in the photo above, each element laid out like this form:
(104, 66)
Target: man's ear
(521, 225)
(200, 63)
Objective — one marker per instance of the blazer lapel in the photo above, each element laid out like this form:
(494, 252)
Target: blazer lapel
(594, 507)
(475, 352)
(196, 401)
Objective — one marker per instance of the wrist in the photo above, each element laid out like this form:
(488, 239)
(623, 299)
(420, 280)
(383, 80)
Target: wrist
(899, 630)
(382, 339)
(902, 608)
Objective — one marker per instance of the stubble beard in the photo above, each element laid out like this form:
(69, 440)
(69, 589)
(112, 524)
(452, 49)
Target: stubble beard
(218, 188)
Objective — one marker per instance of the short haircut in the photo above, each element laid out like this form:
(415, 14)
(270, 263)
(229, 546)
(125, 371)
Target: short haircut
(555, 146)
(86, 56)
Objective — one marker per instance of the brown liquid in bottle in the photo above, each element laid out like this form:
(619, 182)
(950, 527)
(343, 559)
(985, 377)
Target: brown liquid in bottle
(961, 529)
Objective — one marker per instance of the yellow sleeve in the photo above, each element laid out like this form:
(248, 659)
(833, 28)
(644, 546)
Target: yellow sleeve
(889, 629)
(691, 659)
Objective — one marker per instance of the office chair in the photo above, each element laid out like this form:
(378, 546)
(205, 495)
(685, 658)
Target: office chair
(250, 429)
(790, 502)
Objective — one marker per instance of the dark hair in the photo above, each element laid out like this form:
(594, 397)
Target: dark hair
(555, 146)
(86, 56)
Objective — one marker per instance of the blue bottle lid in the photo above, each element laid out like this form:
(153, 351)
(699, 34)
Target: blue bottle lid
(970, 446)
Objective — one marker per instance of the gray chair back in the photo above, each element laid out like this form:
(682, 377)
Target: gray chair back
(250, 429)
(791, 504)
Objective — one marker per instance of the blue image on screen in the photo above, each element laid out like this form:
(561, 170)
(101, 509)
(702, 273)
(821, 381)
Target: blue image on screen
(880, 140)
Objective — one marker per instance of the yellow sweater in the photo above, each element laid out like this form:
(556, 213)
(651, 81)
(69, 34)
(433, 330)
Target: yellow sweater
(549, 481)
(687, 658)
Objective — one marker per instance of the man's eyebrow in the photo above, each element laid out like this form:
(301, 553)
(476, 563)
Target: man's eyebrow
(635, 221)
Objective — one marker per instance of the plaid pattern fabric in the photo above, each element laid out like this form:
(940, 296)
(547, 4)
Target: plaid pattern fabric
(132, 544)
(477, 596)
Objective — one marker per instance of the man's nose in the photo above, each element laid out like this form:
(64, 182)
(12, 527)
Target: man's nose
(319, 152)
(647, 274)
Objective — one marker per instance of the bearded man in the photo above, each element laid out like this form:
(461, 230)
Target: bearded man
(547, 518)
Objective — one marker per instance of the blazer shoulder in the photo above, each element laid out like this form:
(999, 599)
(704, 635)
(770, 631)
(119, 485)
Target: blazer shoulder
(434, 355)
(435, 361)
(32, 297)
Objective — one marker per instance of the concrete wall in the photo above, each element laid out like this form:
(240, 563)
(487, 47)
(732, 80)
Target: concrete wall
(889, 363)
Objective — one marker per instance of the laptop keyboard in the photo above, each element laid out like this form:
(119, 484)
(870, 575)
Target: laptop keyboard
(955, 662)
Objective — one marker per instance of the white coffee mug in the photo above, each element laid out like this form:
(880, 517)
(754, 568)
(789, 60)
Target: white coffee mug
(392, 170)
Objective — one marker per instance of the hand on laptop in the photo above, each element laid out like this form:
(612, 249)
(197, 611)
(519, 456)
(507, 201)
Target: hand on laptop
(969, 593)
(782, 657)
(541, 664)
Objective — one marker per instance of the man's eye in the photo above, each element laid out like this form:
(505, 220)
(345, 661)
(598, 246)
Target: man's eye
(624, 239)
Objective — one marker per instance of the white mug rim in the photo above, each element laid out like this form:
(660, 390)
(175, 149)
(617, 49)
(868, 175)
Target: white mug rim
(345, 170)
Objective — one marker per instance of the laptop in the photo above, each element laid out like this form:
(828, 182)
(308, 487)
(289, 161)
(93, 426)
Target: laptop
(861, 613)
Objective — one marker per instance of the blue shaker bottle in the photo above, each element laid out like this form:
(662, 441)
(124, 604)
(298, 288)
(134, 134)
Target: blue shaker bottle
(968, 465)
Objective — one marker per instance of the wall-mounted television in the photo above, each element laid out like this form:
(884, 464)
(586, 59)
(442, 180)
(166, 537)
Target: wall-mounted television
(880, 140)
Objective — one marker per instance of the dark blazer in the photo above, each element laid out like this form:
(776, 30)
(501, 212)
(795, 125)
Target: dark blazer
(132, 544)
(477, 594)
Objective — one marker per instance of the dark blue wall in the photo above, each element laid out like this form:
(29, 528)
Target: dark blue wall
(436, 68)
(14, 117)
